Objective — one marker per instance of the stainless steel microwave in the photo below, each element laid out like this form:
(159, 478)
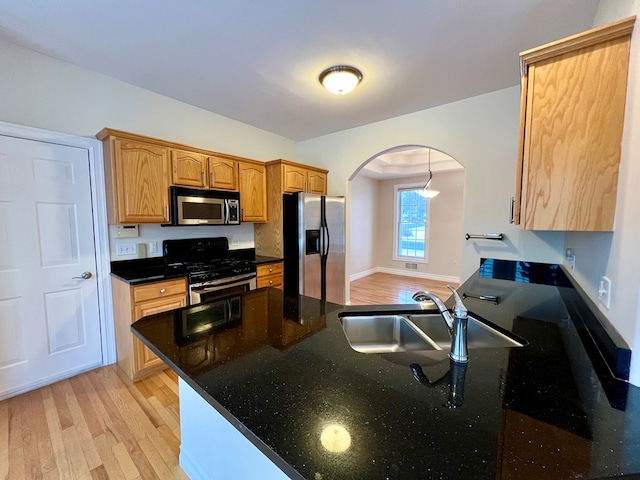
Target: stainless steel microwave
(195, 206)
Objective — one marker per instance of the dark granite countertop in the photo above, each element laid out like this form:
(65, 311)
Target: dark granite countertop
(550, 410)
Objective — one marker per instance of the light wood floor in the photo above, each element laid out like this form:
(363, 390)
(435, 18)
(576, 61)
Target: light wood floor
(387, 289)
(100, 425)
(97, 425)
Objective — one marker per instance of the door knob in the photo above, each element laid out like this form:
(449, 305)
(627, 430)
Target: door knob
(84, 276)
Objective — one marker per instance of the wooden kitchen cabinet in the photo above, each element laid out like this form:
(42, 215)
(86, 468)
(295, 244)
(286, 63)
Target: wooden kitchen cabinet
(139, 171)
(223, 174)
(269, 275)
(571, 122)
(300, 178)
(252, 185)
(130, 303)
(188, 169)
(137, 180)
(284, 177)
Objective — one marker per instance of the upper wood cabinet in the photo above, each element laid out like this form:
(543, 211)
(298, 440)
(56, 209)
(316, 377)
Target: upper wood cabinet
(139, 171)
(137, 180)
(223, 173)
(300, 178)
(252, 185)
(285, 177)
(571, 121)
(188, 169)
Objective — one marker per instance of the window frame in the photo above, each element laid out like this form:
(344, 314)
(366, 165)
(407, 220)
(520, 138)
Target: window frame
(396, 227)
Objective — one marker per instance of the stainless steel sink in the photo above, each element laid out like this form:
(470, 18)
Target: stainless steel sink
(419, 332)
(384, 334)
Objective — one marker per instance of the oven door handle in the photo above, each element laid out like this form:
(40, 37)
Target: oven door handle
(223, 286)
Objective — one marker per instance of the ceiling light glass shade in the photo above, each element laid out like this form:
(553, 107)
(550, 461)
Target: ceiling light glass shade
(340, 79)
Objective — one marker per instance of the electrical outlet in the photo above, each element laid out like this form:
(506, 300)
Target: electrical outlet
(235, 242)
(126, 249)
(570, 253)
(604, 292)
(153, 247)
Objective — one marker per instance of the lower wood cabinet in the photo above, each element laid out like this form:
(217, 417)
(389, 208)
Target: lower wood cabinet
(269, 275)
(130, 303)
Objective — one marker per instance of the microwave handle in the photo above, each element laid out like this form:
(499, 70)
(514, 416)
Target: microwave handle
(227, 211)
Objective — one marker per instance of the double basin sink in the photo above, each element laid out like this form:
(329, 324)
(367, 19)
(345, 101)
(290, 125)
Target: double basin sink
(413, 332)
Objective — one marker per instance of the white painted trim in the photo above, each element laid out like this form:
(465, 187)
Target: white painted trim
(405, 273)
(100, 227)
(363, 274)
(42, 382)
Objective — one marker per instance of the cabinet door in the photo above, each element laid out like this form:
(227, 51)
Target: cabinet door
(571, 128)
(317, 182)
(142, 181)
(143, 357)
(188, 169)
(223, 174)
(252, 182)
(294, 179)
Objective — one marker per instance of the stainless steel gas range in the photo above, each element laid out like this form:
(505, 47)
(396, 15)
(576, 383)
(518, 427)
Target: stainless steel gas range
(211, 268)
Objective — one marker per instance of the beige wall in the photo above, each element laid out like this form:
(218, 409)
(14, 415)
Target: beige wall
(39, 91)
(364, 204)
(445, 226)
(616, 254)
(482, 134)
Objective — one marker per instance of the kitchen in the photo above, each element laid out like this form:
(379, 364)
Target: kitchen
(481, 132)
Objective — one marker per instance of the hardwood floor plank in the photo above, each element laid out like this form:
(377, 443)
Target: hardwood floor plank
(4, 439)
(126, 463)
(55, 432)
(32, 467)
(159, 466)
(79, 467)
(16, 464)
(169, 418)
(109, 463)
(99, 473)
(61, 405)
(38, 418)
(82, 429)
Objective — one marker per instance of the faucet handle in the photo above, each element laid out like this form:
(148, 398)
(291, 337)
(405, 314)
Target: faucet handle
(459, 311)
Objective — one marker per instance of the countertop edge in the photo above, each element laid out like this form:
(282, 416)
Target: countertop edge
(237, 424)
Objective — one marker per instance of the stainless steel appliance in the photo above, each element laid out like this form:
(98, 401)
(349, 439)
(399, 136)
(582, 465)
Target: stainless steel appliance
(211, 269)
(194, 206)
(314, 246)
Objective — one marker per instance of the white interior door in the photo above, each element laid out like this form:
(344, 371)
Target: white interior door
(49, 316)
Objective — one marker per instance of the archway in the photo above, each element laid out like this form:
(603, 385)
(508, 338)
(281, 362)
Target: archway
(391, 234)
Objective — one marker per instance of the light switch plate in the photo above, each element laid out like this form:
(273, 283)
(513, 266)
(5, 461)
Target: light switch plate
(604, 292)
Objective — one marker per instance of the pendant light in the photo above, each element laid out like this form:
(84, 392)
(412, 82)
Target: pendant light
(426, 191)
(340, 79)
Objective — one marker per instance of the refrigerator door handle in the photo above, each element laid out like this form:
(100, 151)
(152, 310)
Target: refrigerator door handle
(326, 240)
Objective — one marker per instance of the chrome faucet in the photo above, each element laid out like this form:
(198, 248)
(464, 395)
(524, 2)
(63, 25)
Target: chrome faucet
(457, 323)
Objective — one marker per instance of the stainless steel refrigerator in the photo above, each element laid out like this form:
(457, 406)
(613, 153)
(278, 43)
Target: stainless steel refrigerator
(314, 246)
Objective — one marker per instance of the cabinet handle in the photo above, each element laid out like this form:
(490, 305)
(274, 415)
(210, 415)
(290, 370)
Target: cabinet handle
(242, 214)
(270, 270)
(166, 212)
(270, 282)
(203, 180)
(212, 180)
(512, 209)
(163, 290)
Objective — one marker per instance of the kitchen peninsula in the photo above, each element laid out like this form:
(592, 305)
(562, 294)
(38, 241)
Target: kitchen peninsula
(281, 375)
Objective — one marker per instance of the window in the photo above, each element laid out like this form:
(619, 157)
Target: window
(411, 224)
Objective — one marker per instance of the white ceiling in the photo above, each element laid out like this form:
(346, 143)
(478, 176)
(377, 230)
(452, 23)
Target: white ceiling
(258, 61)
(409, 161)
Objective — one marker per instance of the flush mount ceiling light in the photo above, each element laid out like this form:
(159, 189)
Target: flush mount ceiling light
(340, 79)
(426, 191)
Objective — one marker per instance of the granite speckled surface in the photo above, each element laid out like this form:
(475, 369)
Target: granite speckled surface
(285, 374)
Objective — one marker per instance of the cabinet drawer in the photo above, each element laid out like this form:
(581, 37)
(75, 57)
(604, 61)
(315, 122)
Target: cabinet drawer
(269, 269)
(269, 281)
(151, 291)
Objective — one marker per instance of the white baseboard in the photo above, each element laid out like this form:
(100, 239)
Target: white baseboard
(405, 273)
